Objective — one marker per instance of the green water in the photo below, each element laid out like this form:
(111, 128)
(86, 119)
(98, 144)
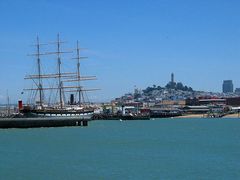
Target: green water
(156, 149)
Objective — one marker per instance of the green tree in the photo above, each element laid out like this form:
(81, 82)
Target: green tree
(179, 86)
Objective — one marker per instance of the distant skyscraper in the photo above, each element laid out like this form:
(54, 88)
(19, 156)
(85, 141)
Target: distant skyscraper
(227, 86)
(172, 78)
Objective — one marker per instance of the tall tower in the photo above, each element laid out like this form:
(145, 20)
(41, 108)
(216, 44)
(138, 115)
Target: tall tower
(172, 78)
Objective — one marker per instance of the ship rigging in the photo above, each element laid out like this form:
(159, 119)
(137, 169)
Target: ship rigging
(66, 82)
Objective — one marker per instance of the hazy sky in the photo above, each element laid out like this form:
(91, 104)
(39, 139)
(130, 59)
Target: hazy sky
(130, 42)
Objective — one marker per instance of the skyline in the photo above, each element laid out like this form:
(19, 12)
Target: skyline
(137, 43)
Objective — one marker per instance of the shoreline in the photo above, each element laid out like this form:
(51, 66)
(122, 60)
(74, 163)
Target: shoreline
(236, 115)
(191, 116)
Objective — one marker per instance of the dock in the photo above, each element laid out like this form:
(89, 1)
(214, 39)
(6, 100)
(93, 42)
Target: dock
(119, 117)
(42, 122)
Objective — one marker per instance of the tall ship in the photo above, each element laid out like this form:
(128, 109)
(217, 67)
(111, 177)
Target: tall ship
(58, 93)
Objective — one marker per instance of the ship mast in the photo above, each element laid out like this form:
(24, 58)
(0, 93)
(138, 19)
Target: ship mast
(60, 76)
(59, 72)
(78, 73)
(80, 78)
(39, 74)
(8, 104)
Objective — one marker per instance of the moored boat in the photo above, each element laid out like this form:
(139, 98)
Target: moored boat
(65, 83)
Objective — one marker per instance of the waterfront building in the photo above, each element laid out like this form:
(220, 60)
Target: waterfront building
(227, 86)
(233, 101)
(213, 101)
(237, 90)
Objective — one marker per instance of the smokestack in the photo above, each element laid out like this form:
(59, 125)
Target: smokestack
(20, 105)
(71, 99)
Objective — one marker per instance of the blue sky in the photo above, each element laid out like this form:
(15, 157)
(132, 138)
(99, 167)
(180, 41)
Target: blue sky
(130, 43)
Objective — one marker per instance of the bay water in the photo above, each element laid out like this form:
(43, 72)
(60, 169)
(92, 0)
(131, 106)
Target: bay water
(155, 149)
